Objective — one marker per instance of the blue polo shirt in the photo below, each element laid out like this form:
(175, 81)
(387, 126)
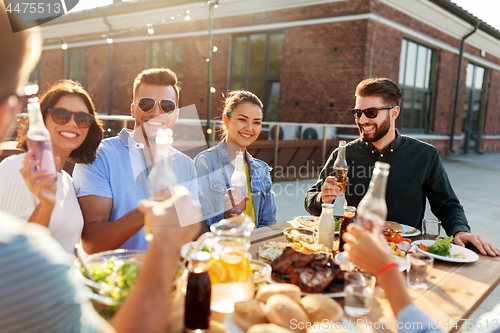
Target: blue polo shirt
(119, 173)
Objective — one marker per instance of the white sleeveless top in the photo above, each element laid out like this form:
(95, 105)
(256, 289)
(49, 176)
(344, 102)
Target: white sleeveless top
(66, 221)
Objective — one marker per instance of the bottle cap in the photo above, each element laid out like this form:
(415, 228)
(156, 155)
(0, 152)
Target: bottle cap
(200, 256)
(350, 209)
(325, 205)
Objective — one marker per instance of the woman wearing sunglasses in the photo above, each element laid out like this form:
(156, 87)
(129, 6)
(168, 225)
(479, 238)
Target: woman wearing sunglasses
(69, 116)
(242, 124)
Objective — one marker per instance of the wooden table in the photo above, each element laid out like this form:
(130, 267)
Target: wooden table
(457, 289)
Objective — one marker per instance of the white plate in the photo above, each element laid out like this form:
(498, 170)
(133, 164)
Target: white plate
(335, 295)
(296, 224)
(407, 228)
(470, 255)
(230, 325)
(401, 262)
(185, 247)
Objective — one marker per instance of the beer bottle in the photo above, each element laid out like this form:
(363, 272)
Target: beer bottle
(374, 200)
(161, 180)
(198, 294)
(38, 140)
(349, 213)
(239, 183)
(326, 226)
(340, 167)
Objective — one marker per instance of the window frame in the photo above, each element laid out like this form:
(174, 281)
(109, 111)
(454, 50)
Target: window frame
(427, 101)
(267, 79)
(67, 54)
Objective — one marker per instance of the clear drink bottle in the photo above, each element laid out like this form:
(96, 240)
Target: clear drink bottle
(340, 167)
(161, 180)
(239, 183)
(326, 226)
(39, 140)
(373, 203)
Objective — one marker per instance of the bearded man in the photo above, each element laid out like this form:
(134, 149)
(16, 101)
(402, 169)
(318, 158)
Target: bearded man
(416, 170)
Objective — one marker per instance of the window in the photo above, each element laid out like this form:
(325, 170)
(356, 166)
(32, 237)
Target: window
(256, 62)
(166, 54)
(75, 65)
(415, 76)
(36, 75)
(474, 96)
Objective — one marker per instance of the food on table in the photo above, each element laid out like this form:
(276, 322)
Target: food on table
(400, 249)
(395, 226)
(294, 235)
(319, 307)
(311, 222)
(249, 313)
(261, 271)
(271, 250)
(337, 220)
(286, 289)
(414, 231)
(312, 273)
(281, 310)
(441, 247)
(267, 328)
(116, 276)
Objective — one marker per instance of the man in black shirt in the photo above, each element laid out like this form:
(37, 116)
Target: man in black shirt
(416, 170)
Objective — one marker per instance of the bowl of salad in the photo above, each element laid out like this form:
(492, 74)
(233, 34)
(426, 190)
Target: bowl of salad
(115, 272)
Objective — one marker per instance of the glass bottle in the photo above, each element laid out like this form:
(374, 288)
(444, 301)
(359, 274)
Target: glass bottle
(198, 294)
(340, 166)
(326, 226)
(373, 203)
(349, 214)
(239, 183)
(38, 140)
(161, 180)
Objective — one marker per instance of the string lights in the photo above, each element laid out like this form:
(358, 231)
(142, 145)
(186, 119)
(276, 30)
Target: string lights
(149, 28)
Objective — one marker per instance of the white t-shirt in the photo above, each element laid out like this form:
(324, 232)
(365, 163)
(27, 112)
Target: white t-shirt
(66, 221)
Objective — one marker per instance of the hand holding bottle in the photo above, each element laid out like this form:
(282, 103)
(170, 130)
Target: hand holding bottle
(232, 208)
(42, 186)
(330, 189)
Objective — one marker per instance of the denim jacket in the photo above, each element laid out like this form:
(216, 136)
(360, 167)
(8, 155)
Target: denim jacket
(212, 185)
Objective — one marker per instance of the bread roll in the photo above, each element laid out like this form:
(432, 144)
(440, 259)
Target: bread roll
(319, 307)
(395, 226)
(248, 313)
(286, 289)
(283, 311)
(267, 328)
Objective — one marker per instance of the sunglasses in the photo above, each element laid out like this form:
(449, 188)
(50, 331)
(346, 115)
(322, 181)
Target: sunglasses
(147, 104)
(62, 116)
(370, 112)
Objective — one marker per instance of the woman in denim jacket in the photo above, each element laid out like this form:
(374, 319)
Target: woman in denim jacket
(242, 124)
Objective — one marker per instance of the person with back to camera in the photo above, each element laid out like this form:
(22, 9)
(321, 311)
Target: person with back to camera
(69, 116)
(242, 123)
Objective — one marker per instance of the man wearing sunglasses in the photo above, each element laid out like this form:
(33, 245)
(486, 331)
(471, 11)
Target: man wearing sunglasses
(416, 169)
(110, 188)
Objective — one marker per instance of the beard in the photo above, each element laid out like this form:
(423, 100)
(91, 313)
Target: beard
(379, 133)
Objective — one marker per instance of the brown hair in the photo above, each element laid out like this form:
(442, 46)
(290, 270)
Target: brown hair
(19, 51)
(235, 98)
(157, 77)
(383, 87)
(86, 153)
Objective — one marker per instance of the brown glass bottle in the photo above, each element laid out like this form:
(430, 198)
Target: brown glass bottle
(198, 295)
(349, 214)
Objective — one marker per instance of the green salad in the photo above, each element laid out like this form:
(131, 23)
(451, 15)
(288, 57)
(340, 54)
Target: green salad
(115, 276)
(441, 246)
(337, 222)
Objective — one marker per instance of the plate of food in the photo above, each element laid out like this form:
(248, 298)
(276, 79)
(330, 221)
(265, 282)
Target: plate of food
(311, 222)
(277, 307)
(399, 260)
(443, 249)
(403, 229)
(207, 246)
(409, 231)
(270, 251)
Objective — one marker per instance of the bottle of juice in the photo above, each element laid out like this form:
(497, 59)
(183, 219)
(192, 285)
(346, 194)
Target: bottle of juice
(239, 183)
(39, 139)
(198, 295)
(349, 213)
(326, 226)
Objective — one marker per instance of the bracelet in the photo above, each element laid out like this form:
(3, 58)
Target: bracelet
(386, 267)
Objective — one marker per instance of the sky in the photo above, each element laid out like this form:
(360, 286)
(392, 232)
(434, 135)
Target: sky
(486, 10)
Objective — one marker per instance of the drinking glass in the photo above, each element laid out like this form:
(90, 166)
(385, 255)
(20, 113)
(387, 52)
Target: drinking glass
(358, 290)
(419, 271)
(432, 228)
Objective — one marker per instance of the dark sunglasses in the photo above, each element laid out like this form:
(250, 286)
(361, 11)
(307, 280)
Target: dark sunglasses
(147, 104)
(370, 112)
(62, 116)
